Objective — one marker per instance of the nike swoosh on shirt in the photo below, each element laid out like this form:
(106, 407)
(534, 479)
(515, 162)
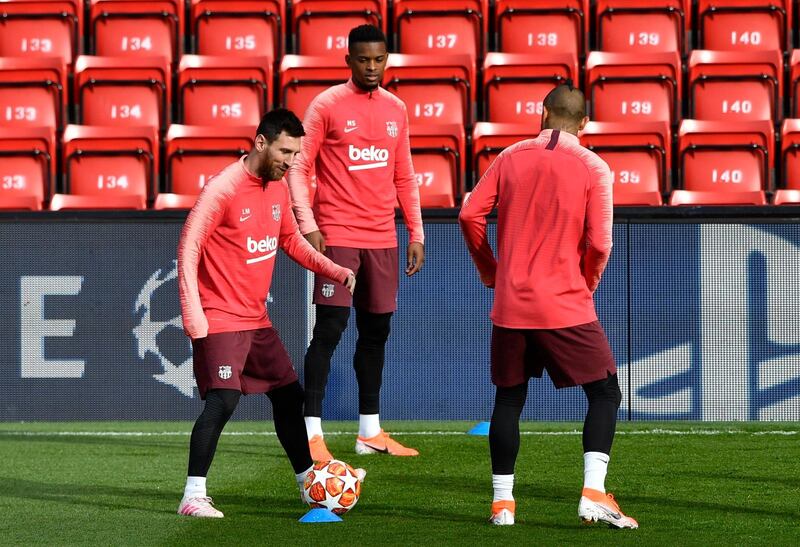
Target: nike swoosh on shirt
(350, 129)
(243, 218)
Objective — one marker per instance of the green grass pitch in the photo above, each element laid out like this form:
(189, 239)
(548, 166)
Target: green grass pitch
(686, 483)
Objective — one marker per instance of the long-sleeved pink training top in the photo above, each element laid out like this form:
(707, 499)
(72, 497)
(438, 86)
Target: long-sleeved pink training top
(554, 225)
(357, 143)
(228, 248)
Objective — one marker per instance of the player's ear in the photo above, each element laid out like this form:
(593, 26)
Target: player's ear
(583, 123)
(545, 114)
(261, 142)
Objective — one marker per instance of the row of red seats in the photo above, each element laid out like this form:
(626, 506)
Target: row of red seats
(237, 91)
(106, 167)
(319, 27)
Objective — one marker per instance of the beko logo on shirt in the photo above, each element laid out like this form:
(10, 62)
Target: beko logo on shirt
(378, 157)
(267, 245)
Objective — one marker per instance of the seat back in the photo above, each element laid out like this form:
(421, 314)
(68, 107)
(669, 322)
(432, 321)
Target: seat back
(41, 28)
(515, 84)
(489, 139)
(302, 78)
(740, 25)
(735, 86)
(638, 155)
(634, 87)
(725, 157)
(32, 92)
(122, 91)
(642, 26)
(195, 154)
(790, 154)
(321, 27)
(132, 28)
(101, 161)
(27, 166)
(442, 27)
(231, 91)
(541, 26)
(439, 163)
(242, 28)
(438, 89)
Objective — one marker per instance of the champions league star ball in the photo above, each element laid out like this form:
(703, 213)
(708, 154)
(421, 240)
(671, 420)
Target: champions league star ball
(332, 485)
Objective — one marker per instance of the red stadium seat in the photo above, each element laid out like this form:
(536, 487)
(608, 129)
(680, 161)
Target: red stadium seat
(723, 162)
(122, 28)
(638, 155)
(542, 26)
(442, 27)
(634, 86)
(195, 154)
(27, 166)
(439, 163)
(436, 89)
(108, 167)
(489, 139)
(122, 90)
(794, 89)
(786, 197)
(735, 85)
(33, 92)
(247, 28)
(41, 28)
(642, 26)
(514, 84)
(303, 78)
(320, 27)
(174, 201)
(790, 154)
(224, 90)
(725, 25)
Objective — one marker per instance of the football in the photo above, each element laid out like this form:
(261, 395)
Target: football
(332, 485)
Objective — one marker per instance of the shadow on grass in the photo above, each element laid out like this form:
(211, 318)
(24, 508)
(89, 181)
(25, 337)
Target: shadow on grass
(152, 500)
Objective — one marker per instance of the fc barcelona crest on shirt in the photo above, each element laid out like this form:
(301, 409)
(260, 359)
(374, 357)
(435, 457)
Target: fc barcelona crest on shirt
(225, 372)
(276, 212)
(327, 290)
(391, 128)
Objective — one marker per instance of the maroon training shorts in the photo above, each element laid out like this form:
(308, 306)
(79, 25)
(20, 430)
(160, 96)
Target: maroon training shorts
(376, 280)
(572, 355)
(251, 361)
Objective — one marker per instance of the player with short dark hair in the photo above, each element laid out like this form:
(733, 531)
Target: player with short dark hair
(357, 143)
(226, 256)
(554, 226)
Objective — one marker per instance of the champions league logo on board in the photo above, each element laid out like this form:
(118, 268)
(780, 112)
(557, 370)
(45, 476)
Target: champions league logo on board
(164, 339)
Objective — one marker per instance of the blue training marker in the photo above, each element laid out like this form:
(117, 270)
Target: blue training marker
(320, 515)
(481, 428)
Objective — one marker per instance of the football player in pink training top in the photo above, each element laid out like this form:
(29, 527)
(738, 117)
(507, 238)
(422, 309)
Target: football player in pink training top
(226, 257)
(357, 143)
(554, 222)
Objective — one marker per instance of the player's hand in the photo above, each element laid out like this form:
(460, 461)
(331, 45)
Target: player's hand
(316, 240)
(416, 258)
(350, 283)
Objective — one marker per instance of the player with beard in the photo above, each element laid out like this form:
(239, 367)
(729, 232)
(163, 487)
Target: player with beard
(226, 257)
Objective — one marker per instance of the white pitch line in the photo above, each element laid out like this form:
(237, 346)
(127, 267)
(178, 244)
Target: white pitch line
(691, 432)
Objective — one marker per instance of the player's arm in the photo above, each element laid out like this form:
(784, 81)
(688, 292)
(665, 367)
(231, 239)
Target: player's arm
(407, 187)
(299, 176)
(599, 224)
(301, 251)
(472, 219)
(408, 197)
(203, 219)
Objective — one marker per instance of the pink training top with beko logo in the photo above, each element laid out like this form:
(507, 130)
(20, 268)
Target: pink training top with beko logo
(357, 142)
(554, 223)
(228, 248)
